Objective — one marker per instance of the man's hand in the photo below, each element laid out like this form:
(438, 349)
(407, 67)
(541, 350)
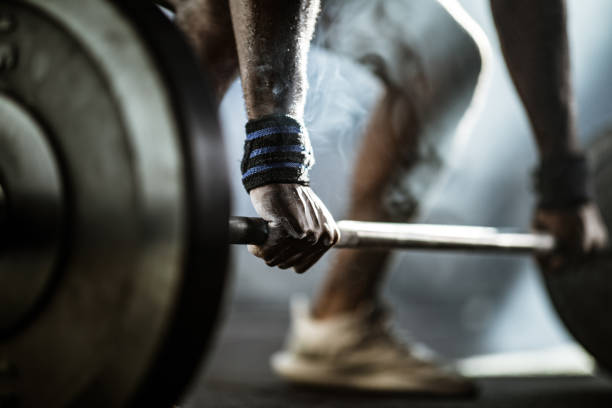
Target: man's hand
(578, 231)
(302, 229)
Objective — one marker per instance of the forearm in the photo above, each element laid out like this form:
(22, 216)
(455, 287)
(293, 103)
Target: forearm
(273, 38)
(533, 37)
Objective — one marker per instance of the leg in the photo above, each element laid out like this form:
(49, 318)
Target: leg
(389, 146)
(429, 65)
(418, 98)
(207, 24)
(345, 339)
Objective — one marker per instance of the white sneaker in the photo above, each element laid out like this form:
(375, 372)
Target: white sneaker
(359, 351)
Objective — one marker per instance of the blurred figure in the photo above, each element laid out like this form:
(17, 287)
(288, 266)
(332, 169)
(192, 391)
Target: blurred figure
(429, 56)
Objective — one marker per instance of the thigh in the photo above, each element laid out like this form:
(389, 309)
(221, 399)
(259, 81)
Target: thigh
(423, 48)
(429, 55)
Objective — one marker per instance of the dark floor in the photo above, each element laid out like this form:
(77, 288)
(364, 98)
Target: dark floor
(237, 375)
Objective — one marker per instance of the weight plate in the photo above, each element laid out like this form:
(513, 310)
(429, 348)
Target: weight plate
(31, 178)
(582, 292)
(141, 266)
(206, 263)
(3, 210)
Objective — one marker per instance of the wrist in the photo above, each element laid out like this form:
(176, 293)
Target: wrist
(276, 150)
(562, 181)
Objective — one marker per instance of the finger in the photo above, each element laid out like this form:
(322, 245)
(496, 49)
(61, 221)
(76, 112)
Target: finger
(284, 254)
(260, 251)
(310, 236)
(255, 250)
(301, 265)
(314, 212)
(277, 236)
(289, 262)
(299, 220)
(288, 252)
(308, 251)
(333, 234)
(284, 227)
(277, 253)
(337, 234)
(300, 257)
(330, 234)
(269, 254)
(309, 261)
(334, 231)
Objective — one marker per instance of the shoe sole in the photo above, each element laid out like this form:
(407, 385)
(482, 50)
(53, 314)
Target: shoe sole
(306, 372)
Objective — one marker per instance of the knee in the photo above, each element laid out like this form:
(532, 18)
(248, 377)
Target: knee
(448, 68)
(437, 63)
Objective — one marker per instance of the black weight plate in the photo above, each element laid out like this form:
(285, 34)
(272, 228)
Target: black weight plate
(139, 283)
(582, 292)
(194, 323)
(32, 235)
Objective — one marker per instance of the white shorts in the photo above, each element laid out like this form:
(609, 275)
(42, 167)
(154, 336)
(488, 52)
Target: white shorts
(429, 51)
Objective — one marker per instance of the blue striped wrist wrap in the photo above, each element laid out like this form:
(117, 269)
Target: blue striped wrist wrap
(276, 150)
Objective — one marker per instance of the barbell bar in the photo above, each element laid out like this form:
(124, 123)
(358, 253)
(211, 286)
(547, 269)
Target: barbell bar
(363, 234)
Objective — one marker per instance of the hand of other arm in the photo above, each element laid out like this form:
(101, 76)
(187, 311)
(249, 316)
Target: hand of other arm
(533, 37)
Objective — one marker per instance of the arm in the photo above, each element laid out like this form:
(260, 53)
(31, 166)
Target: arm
(273, 39)
(533, 38)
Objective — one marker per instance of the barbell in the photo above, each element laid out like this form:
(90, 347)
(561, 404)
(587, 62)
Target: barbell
(114, 212)
(365, 234)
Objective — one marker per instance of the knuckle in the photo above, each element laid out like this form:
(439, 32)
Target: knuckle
(327, 239)
(311, 236)
(335, 236)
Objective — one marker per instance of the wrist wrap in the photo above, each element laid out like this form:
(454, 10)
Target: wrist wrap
(276, 150)
(563, 182)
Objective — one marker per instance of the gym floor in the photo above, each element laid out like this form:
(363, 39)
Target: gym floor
(237, 375)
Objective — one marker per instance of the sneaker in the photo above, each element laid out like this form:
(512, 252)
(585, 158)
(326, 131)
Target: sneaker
(359, 351)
